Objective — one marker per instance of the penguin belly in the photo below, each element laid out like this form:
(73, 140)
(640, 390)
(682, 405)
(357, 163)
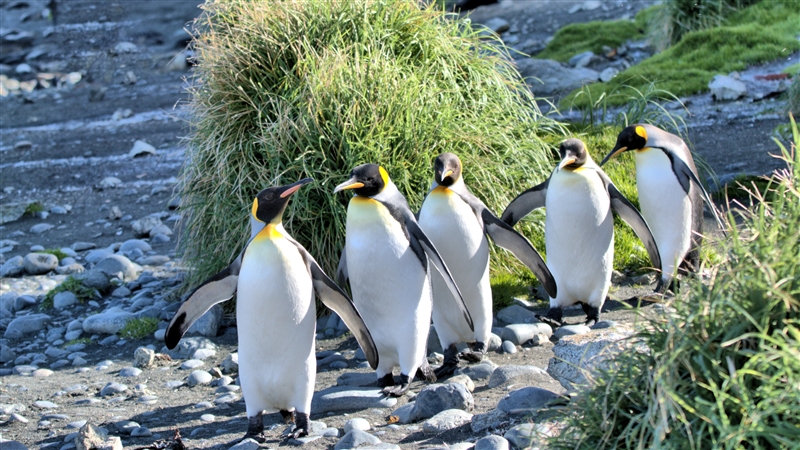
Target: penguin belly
(666, 208)
(451, 224)
(579, 237)
(276, 321)
(390, 286)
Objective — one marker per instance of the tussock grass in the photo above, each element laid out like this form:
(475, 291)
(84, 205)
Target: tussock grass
(723, 371)
(760, 33)
(285, 90)
(677, 17)
(139, 328)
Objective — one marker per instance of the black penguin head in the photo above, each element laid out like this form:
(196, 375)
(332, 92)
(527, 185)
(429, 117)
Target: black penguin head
(573, 154)
(367, 180)
(269, 204)
(447, 169)
(633, 137)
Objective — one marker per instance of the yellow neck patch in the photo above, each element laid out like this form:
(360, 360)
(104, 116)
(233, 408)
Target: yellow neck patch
(384, 175)
(269, 232)
(641, 132)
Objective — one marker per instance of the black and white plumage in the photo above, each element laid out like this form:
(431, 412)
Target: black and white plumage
(579, 229)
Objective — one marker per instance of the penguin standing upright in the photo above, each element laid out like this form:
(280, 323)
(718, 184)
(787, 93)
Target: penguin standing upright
(670, 195)
(275, 278)
(457, 223)
(386, 258)
(579, 230)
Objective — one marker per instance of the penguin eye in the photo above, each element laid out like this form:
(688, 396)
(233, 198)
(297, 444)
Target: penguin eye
(370, 179)
(270, 196)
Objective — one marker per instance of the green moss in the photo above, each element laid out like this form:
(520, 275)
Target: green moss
(757, 34)
(139, 328)
(83, 340)
(34, 208)
(792, 70)
(73, 285)
(56, 252)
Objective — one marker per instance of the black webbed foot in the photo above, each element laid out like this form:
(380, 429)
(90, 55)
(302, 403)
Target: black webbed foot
(301, 427)
(425, 372)
(552, 318)
(255, 429)
(476, 354)
(450, 363)
(592, 314)
(288, 416)
(385, 381)
(398, 390)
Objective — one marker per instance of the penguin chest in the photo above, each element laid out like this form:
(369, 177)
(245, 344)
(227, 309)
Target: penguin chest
(579, 232)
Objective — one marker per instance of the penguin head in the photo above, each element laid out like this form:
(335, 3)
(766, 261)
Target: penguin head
(573, 154)
(270, 203)
(447, 169)
(367, 180)
(633, 137)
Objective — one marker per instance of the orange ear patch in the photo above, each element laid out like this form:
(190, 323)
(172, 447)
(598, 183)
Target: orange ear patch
(641, 132)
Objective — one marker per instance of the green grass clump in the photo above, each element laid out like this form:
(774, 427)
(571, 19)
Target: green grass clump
(763, 32)
(83, 340)
(285, 90)
(33, 208)
(73, 285)
(508, 285)
(676, 18)
(576, 38)
(55, 252)
(139, 328)
(723, 371)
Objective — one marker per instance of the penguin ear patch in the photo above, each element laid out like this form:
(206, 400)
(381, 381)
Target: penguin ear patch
(255, 208)
(384, 175)
(641, 132)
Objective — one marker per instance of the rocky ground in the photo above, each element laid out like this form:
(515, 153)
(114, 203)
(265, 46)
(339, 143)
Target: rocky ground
(90, 133)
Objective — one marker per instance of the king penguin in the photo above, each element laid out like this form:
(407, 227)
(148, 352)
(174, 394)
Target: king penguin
(386, 258)
(579, 230)
(457, 222)
(274, 278)
(670, 195)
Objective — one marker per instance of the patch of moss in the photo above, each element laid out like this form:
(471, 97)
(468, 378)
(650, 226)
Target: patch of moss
(73, 285)
(34, 208)
(792, 70)
(757, 34)
(139, 328)
(83, 340)
(56, 252)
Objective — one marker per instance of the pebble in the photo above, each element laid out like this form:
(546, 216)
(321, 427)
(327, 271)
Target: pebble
(446, 420)
(141, 432)
(509, 347)
(112, 388)
(491, 442)
(130, 372)
(191, 364)
(568, 330)
(44, 404)
(207, 417)
(199, 377)
(357, 423)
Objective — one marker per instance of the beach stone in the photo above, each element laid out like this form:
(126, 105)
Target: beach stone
(141, 432)
(109, 322)
(39, 263)
(82, 246)
(581, 59)
(231, 363)
(187, 346)
(497, 24)
(26, 325)
(516, 314)
(143, 357)
(608, 74)
(40, 228)
(528, 435)
(13, 267)
(24, 302)
(6, 354)
(118, 264)
(504, 374)
(191, 364)
(569, 330)
(141, 148)
(204, 353)
(64, 299)
(44, 404)
(112, 389)
(573, 355)
(141, 227)
(199, 377)
(509, 347)
(478, 371)
(125, 426)
(95, 256)
(357, 423)
(348, 398)
(492, 419)
(446, 420)
(91, 437)
(526, 400)
(208, 324)
(134, 244)
(436, 398)
(356, 439)
(462, 379)
(247, 444)
(724, 88)
(130, 372)
(491, 442)
(521, 333)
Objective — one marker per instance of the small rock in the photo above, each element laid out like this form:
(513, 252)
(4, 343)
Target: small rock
(355, 439)
(26, 325)
(581, 59)
(497, 24)
(39, 263)
(199, 377)
(436, 398)
(357, 423)
(516, 314)
(504, 374)
(141, 432)
(518, 334)
(141, 148)
(526, 400)
(112, 389)
(124, 47)
(492, 419)
(109, 182)
(191, 364)
(130, 372)
(569, 330)
(348, 398)
(724, 88)
(109, 322)
(478, 371)
(247, 444)
(208, 324)
(608, 74)
(446, 420)
(126, 426)
(143, 357)
(462, 379)
(41, 228)
(44, 404)
(115, 265)
(231, 363)
(41, 373)
(64, 299)
(528, 435)
(509, 347)
(491, 443)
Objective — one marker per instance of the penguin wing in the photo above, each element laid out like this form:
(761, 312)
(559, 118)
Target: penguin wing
(341, 271)
(526, 202)
(334, 298)
(686, 176)
(216, 289)
(504, 236)
(625, 209)
(418, 239)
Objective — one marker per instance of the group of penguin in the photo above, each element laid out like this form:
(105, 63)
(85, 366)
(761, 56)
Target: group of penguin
(406, 269)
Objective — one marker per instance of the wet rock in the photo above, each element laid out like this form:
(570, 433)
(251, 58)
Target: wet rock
(141, 148)
(26, 325)
(39, 263)
(446, 420)
(526, 400)
(355, 439)
(492, 419)
(724, 87)
(436, 398)
(587, 352)
(347, 398)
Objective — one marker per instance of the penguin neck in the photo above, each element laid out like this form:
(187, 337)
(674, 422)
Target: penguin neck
(458, 186)
(272, 230)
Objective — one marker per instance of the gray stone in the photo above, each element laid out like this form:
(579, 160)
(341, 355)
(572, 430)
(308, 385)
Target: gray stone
(40, 228)
(12, 268)
(91, 437)
(24, 302)
(357, 423)
(526, 400)
(569, 330)
(462, 379)
(446, 420)
(141, 227)
(26, 325)
(605, 324)
(44, 404)
(516, 314)
(39, 263)
(528, 435)
(494, 343)
(115, 265)
(246, 444)
(478, 371)
(130, 372)
(208, 324)
(355, 379)
(154, 260)
(191, 364)
(132, 244)
(141, 432)
(199, 377)
(109, 322)
(355, 439)
(509, 347)
(188, 345)
(581, 59)
(94, 279)
(64, 299)
(491, 443)
(143, 357)
(504, 374)
(545, 76)
(574, 355)
(112, 389)
(72, 335)
(141, 148)
(520, 333)
(95, 256)
(492, 419)
(6, 354)
(724, 87)
(436, 398)
(608, 74)
(81, 246)
(347, 398)
(231, 363)
(331, 358)
(126, 426)
(497, 24)
(12, 445)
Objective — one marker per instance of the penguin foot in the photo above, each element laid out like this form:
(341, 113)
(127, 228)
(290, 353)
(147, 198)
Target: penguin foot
(450, 362)
(398, 390)
(552, 318)
(445, 370)
(426, 372)
(385, 381)
(255, 429)
(288, 416)
(475, 355)
(592, 314)
(301, 429)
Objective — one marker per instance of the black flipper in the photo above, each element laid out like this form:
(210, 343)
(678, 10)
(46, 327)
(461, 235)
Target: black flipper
(334, 298)
(685, 176)
(216, 289)
(506, 237)
(341, 271)
(418, 237)
(632, 217)
(526, 202)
